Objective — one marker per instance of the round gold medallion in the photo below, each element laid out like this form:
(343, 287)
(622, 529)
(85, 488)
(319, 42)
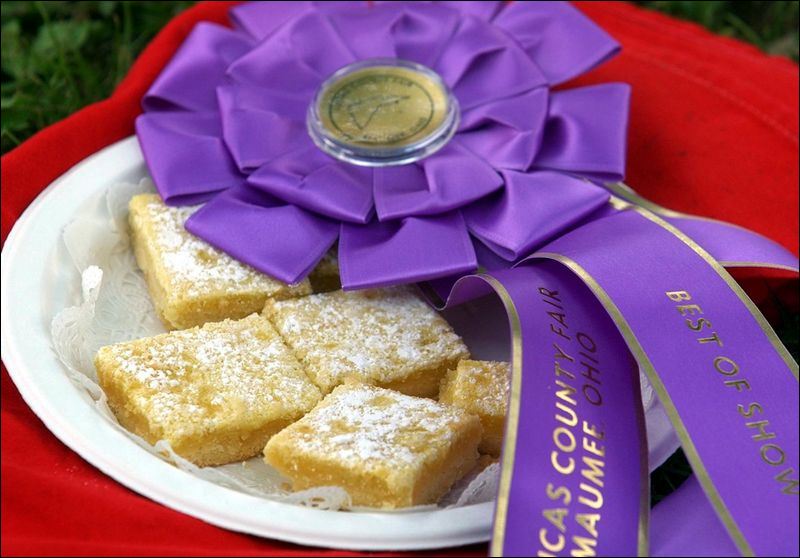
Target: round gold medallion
(382, 112)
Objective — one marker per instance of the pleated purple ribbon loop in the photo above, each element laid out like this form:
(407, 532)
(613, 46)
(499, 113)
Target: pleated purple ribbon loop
(528, 188)
(550, 202)
(234, 222)
(434, 185)
(303, 178)
(403, 244)
(507, 133)
(202, 62)
(563, 42)
(183, 139)
(585, 132)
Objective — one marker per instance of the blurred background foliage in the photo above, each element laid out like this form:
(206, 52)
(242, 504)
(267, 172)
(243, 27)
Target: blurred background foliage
(60, 56)
(771, 26)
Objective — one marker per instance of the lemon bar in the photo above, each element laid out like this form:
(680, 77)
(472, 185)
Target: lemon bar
(190, 281)
(480, 387)
(385, 337)
(325, 276)
(216, 393)
(388, 450)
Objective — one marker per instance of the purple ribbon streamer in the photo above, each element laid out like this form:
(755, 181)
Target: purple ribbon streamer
(729, 386)
(582, 445)
(732, 358)
(684, 524)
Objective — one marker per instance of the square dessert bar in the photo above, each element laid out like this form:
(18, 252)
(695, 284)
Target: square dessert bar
(388, 450)
(480, 388)
(215, 393)
(191, 282)
(387, 337)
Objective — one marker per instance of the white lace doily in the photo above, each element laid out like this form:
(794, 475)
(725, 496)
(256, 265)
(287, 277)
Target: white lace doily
(115, 306)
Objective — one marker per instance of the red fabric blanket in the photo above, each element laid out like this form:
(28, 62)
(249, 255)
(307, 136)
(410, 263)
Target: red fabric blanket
(714, 131)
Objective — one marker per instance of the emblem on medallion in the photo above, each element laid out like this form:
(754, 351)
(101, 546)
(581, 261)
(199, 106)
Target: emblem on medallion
(382, 112)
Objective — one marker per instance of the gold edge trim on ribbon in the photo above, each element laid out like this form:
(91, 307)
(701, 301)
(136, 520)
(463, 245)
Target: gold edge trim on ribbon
(510, 441)
(643, 535)
(732, 284)
(629, 194)
(632, 196)
(644, 362)
(768, 265)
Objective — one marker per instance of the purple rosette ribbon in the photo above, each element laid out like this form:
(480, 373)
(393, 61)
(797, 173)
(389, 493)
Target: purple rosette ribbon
(226, 123)
(597, 282)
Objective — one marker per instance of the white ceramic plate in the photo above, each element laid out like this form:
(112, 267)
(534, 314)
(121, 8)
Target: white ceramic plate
(38, 280)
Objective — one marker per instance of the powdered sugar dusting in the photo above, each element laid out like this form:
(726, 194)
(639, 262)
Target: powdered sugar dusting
(376, 336)
(205, 377)
(479, 386)
(195, 267)
(364, 427)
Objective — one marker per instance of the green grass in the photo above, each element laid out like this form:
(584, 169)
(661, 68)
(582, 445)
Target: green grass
(60, 56)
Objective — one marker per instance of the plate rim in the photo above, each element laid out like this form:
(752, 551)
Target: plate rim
(281, 521)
